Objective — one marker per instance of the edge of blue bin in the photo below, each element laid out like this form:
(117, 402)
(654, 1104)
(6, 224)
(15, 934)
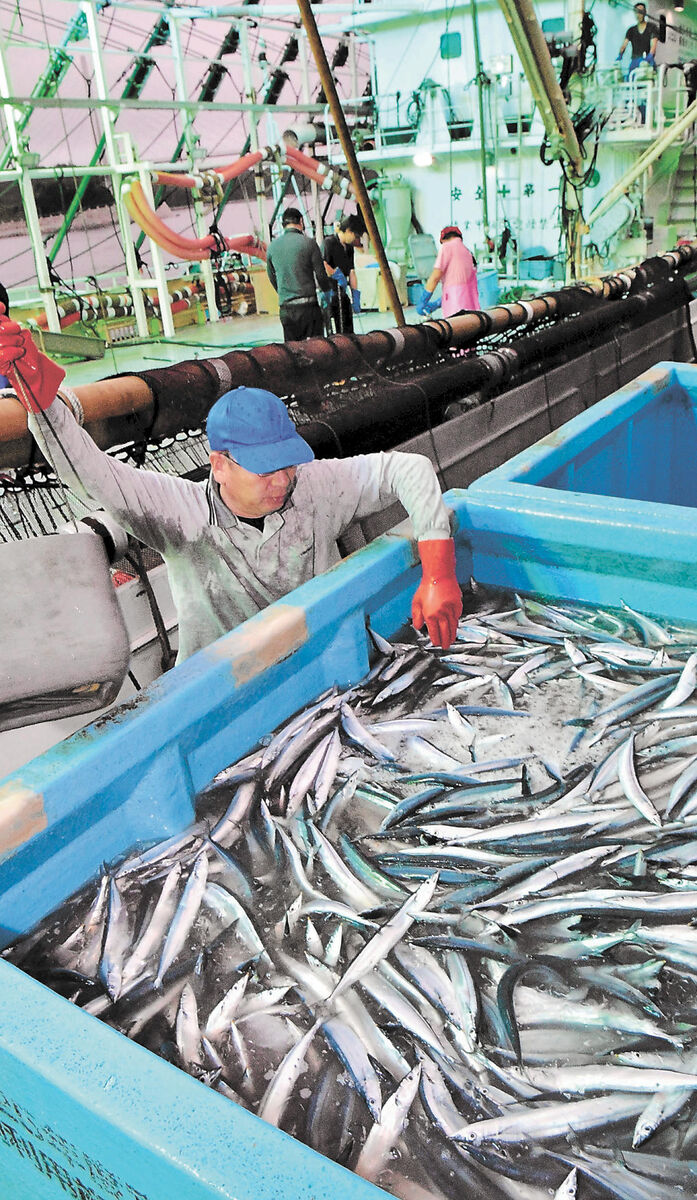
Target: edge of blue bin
(132, 775)
(585, 427)
(87, 1113)
(579, 546)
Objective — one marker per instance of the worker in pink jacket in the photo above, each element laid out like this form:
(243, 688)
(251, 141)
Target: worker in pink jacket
(456, 270)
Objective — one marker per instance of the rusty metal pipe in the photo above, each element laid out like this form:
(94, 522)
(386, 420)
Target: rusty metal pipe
(540, 52)
(354, 169)
(165, 400)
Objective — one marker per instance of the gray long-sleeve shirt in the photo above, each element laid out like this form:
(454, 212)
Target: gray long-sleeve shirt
(221, 569)
(293, 264)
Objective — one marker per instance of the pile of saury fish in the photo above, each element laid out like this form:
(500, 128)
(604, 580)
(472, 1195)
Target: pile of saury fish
(440, 926)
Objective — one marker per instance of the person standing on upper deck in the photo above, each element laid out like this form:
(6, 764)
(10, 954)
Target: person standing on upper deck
(643, 38)
(294, 266)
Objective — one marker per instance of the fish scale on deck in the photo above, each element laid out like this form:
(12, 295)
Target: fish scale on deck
(448, 944)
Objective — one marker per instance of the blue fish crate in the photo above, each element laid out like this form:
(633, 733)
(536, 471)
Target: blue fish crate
(488, 287)
(84, 1111)
(603, 509)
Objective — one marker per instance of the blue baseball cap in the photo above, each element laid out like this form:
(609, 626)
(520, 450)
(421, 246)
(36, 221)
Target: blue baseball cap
(253, 427)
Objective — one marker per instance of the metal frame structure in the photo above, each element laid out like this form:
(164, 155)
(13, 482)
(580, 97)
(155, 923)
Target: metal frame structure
(119, 151)
(191, 144)
(23, 176)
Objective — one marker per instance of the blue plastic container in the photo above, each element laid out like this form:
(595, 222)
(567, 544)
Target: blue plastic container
(602, 510)
(598, 511)
(84, 1112)
(488, 287)
(536, 263)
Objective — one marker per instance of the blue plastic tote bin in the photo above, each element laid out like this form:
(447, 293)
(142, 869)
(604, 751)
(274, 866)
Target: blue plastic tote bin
(84, 1112)
(604, 509)
(488, 287)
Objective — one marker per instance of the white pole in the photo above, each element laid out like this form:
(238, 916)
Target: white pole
(28, 202)
(191, 141)
(250, 96)
(108, 116)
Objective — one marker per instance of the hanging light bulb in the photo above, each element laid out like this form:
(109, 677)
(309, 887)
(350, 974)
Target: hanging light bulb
(423, 158)
(679, 5)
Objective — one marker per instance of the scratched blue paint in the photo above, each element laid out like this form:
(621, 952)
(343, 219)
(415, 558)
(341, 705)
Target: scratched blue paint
(75, 1094)
(603, 510)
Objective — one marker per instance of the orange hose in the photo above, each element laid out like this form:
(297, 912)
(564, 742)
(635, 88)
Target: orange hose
(168, 178)
(175, 243)
(229, 172)
(143, 208)
(156, 229)
(299, 156)
(242, 164)
(311, 167)
(195, 249)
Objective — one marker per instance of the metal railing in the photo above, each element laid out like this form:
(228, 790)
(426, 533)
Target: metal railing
(647, 103)
(405, 119)
(641, 107)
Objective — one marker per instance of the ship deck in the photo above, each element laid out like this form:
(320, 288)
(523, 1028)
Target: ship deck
(206, 341)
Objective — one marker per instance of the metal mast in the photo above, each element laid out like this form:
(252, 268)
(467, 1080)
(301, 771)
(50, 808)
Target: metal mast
(359, 188)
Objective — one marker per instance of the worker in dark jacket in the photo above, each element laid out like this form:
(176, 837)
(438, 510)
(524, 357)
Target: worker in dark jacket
(339, 262)
(295, 268)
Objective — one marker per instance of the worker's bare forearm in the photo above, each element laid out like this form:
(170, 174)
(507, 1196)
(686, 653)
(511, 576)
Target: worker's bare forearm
(433, 279)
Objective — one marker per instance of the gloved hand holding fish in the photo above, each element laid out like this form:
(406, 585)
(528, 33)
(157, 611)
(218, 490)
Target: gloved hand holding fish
(462, 962)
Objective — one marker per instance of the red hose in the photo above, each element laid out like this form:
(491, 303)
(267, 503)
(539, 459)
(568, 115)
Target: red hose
(195, 249)
(242, 164)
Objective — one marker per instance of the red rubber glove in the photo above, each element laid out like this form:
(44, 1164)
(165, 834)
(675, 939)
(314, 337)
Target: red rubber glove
(34, 377)
(437, 602)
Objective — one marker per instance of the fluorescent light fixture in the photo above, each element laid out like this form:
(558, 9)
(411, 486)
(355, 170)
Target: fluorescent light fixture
(423, 158)
(501, 65)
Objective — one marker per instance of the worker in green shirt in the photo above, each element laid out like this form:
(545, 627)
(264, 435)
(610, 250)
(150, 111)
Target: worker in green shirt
(295, 268)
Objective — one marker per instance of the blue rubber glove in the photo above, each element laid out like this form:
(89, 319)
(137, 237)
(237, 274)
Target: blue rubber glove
(355, 300)
(619, 58)
(325, 300)
(432, 306)
(339, 278)
(422, 302)
(651, 60)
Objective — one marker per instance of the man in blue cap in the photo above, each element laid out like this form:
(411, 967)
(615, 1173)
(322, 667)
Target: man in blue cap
(267, 518)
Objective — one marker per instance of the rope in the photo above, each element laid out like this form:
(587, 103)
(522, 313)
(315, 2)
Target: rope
(27, 398)
(135, 558)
